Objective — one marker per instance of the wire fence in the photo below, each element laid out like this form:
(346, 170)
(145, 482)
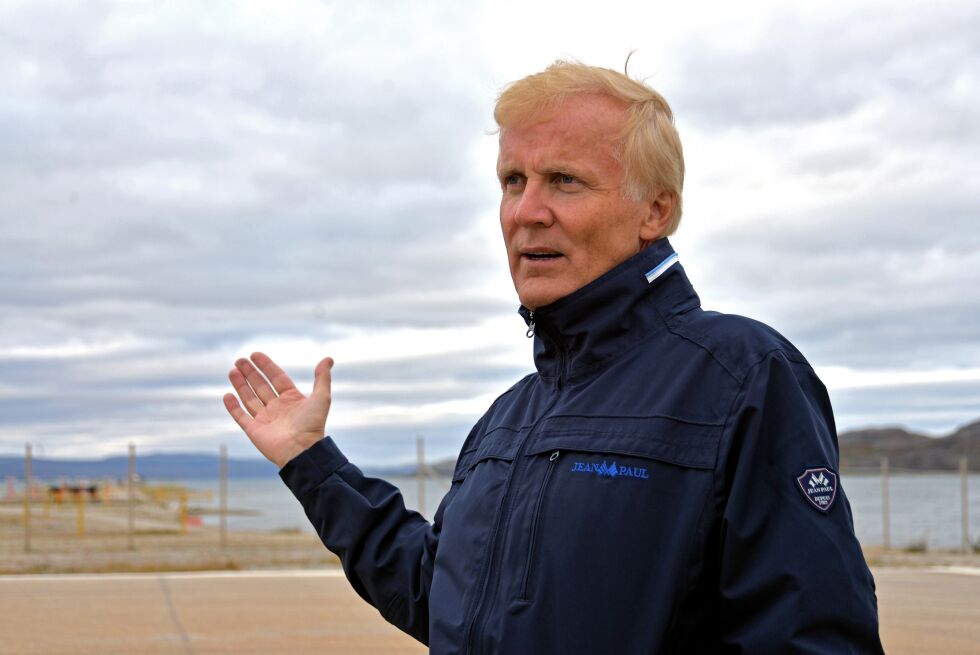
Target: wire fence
(96, 513)
(915, 510)
(65, 508)
(892, 508)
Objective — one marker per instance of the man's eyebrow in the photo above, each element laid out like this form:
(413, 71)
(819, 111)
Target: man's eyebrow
(578, 171)
(560, 167)
(557, 166)
(506, 168)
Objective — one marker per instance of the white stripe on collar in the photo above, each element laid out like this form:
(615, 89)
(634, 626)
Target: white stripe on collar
(661, 268)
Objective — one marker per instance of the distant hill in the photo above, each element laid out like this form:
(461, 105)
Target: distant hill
(859, 449)
(864, 449)
(176, 466)
(159, 467)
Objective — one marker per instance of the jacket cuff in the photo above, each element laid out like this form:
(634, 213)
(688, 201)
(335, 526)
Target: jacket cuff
(307, 471)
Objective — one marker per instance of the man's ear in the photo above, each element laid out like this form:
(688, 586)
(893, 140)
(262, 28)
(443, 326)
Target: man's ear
(655, 223)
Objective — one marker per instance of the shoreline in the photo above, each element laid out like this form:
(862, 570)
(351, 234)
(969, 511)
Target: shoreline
(160, 544)
(201, 551)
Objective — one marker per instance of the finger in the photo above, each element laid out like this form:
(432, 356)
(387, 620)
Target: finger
(256, 380)
(245, 392)
(322, 378)
(280, 381)
(236, 411)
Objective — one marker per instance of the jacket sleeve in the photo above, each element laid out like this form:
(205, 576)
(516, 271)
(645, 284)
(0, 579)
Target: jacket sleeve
(387, 551)
(792, 575)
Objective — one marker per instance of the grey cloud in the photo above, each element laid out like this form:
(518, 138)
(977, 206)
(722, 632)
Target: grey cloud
(183, 183)
(173, 390)
(188, 188)
(876, 263)
(886, 276)
(801, 70)
(835, 160)
(474, 369)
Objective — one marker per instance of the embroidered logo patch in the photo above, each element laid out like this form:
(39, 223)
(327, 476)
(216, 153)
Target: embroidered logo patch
(610, 470)
(819, 486)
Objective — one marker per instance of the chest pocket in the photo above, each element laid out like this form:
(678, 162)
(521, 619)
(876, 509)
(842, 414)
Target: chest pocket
(499, 444)
(610, 495)
(479, 481)
(659, 439)
(480, 478)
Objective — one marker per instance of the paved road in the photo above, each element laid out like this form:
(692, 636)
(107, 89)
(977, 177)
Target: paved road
(925, 611)
(922, 612)
(200, 613)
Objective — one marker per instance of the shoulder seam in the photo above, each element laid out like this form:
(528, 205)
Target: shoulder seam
(670, 328)
(789, 355)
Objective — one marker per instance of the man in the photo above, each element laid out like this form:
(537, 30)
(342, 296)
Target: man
(665, 482)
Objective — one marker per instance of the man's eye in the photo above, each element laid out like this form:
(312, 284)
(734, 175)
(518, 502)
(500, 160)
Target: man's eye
(563, 178)
(510, 180)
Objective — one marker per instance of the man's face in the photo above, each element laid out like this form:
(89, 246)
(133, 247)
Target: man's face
(563, 212)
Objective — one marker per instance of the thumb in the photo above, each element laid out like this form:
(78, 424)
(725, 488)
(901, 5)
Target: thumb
(321, 378)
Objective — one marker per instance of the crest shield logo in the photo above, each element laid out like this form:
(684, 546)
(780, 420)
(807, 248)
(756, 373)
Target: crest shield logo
(819, 487)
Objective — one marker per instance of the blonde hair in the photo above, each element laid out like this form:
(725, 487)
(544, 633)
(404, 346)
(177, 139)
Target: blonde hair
(650, 148)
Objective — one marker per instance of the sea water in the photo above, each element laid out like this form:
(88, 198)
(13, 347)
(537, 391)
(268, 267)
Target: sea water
(925, 509)
(267, 504)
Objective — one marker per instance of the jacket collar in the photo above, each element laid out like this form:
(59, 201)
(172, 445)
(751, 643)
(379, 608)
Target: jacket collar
(579, 333)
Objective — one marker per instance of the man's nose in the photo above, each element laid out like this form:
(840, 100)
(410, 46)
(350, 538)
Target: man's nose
(533, 207)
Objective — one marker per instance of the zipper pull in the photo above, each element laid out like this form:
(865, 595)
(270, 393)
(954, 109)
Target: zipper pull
(554, 456)
(530, 325)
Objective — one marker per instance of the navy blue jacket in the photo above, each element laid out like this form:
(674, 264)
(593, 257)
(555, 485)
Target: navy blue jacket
(666, 482)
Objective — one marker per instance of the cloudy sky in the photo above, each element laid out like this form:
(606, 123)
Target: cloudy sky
(182, 183)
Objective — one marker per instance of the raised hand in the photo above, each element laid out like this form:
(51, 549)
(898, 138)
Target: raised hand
(279, 420)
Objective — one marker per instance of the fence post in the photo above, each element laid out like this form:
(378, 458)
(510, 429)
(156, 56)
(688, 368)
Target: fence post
(885, 527)
(184, 515)
(223, 497)
(131, 497)
(420, 471)
(80, 502)
(27, 497)
(965, 503)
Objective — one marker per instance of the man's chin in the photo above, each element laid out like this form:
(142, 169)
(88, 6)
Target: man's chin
(537, 298)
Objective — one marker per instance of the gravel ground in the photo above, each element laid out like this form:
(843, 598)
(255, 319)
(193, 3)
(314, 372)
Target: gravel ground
(158, 543)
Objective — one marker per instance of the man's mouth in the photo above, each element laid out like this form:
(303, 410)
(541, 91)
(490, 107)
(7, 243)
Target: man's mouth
(541, 256)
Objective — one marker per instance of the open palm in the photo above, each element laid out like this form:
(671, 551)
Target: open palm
(279, 420)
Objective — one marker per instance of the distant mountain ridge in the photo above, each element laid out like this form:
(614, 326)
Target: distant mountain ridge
(186, 466)
(859, 450)
(864, 449)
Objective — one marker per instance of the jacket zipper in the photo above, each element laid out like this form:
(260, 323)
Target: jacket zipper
(534, 523)
(503, 519)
